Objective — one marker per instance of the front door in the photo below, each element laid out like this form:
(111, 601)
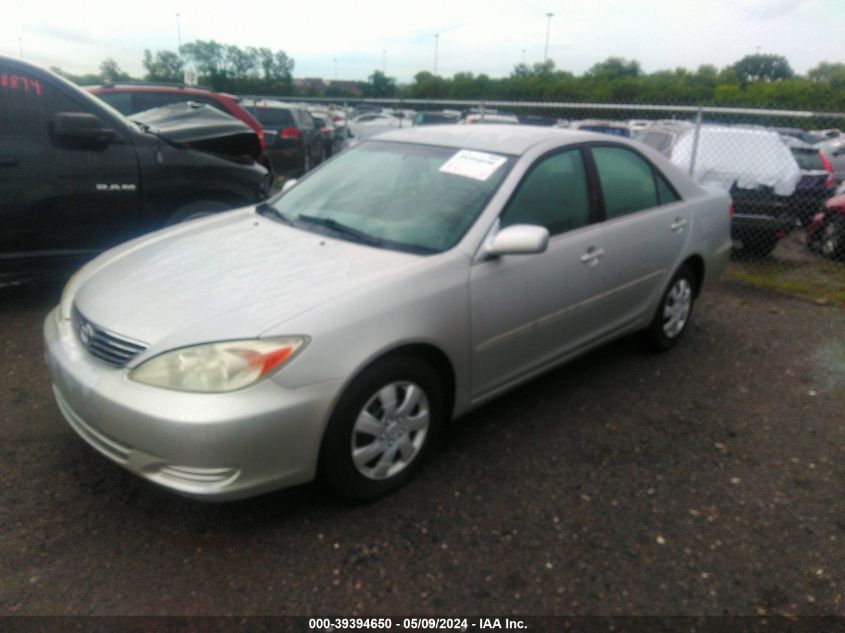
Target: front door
(529, 310)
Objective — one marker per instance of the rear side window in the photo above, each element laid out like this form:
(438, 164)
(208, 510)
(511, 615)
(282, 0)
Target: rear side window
(553, 195)
(808, 159)
(627, 181)
(306, 119)
(665, 191)
(279, 117)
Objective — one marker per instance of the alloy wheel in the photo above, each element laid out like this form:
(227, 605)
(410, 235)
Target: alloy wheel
(676, 308)
(390, 430)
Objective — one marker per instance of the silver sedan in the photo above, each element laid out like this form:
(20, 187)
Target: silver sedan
(331, 332)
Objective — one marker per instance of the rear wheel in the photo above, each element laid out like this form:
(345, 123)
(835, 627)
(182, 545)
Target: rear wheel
(674, 311)
(382, 429)
(832, 240)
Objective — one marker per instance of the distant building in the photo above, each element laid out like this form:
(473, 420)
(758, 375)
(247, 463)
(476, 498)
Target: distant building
(310, 85)
(346, 87)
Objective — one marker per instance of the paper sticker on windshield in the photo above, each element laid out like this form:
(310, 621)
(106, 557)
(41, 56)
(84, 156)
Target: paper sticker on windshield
(476, 165)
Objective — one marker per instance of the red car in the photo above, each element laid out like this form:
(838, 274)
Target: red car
(827, 230)
(131, 98)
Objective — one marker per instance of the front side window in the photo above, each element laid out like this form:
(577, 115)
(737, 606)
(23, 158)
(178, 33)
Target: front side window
(553, 195)
(394, 195)
(627, 181)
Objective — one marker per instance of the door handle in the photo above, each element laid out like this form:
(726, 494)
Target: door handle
(678, 225)
(8, 161)
(592, 256)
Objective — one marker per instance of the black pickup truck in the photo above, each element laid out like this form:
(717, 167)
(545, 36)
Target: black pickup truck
(77, 177)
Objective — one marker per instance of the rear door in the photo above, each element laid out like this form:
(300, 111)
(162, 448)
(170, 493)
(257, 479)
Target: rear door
(59, 200)
(646, 228)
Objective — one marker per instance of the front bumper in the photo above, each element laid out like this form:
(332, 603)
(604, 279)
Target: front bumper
(210, 446)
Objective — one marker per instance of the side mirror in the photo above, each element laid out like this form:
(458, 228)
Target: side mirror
(519, 239)
(288, 184)
(81, 129)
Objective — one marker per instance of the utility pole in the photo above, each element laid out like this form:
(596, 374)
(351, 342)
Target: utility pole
(436, 41)
(178, 34)
(549, 16)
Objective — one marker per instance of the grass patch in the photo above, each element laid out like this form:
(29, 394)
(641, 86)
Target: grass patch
(815, 279)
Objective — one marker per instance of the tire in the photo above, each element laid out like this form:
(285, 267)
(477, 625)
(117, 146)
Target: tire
(832, 239)
(674, 311)
(197, 209)
(306, 161)
(390, 443)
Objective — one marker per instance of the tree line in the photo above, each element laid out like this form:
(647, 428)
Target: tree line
(761, 80)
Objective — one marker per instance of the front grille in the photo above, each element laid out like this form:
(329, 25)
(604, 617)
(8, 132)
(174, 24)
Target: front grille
(109, 347)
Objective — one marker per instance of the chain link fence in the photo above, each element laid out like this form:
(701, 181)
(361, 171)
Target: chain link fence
(782, 168)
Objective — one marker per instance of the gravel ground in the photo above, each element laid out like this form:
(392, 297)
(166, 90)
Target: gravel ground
(709, 480)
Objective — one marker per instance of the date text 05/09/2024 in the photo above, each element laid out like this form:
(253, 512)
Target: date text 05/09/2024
(432, 624)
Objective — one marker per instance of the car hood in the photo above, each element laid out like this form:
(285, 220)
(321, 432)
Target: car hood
(232, 276)
(201, 127)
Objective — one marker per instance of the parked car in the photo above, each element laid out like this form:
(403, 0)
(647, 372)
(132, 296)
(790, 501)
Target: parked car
(834, 150)
(662, 136)
(752, 164)
(367, 125)
(291, 139)
(78, 177)
(332, 140)
(817, 182)
(537, 119)
(603, 126)
(436, 118)
(130, 98)
(826, 234)
(333, 331)
(491, 118)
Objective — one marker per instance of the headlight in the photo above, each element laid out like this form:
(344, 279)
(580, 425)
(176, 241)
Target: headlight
(217, 367)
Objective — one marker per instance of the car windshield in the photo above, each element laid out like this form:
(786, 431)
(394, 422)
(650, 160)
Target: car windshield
(402, 196)
(272, 116)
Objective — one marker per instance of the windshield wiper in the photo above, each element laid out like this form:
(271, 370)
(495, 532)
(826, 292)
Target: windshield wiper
(265, 208)
(342, 229)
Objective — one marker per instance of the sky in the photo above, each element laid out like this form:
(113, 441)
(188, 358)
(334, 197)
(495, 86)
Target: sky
(350, 39)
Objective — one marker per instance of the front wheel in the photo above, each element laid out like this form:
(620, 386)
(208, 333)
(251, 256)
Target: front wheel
(382, 429)
(673, 312)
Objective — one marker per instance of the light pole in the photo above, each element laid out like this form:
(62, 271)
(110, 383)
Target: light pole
(548, 29)
(178, 34)
(436, 41)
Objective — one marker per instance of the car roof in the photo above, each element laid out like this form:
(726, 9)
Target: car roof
(504, 139)
(269, 103)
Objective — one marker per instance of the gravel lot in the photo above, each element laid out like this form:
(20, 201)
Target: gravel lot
(709, 480)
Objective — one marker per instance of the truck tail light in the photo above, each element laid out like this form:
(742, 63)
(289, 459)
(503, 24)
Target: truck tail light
(831, 175)
(731, 210)
(289, 132)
